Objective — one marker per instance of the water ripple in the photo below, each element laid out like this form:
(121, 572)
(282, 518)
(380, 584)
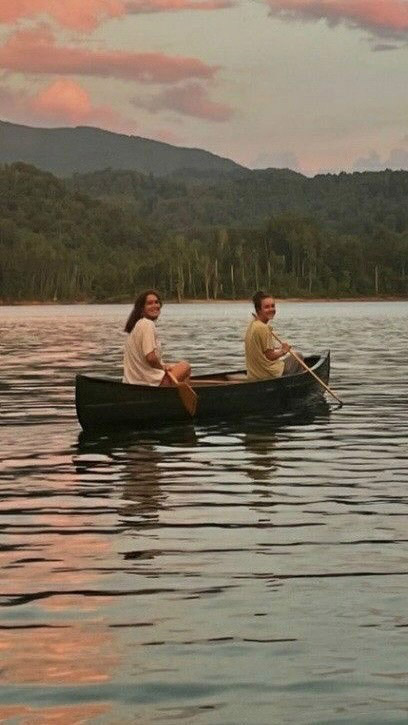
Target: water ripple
(222, 573)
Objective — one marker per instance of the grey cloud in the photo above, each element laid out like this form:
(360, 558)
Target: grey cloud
(397, 159)
(189, 100)
(276, 160)
(389, 20)
(372, 162)
(382, 47)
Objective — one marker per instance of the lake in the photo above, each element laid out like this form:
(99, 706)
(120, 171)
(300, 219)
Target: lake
(219, 574)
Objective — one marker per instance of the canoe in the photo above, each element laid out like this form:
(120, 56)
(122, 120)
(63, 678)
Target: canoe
(105, 402)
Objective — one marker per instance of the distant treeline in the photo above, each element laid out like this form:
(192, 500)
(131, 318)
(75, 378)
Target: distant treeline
(201, 237)
(345, 203)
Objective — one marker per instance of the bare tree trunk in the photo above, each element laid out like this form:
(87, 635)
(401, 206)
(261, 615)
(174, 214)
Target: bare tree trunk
(215, 283)
(180, 282)
(190, 279)
(243, 275)
(171, 279)
(207, 278)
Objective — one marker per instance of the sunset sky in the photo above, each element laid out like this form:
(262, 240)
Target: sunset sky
(315, 85)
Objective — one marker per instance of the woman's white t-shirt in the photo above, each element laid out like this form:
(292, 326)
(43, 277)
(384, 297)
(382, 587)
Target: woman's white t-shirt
(140, 342)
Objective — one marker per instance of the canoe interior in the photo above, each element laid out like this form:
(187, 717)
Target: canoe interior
(237, 376)
(107, 402)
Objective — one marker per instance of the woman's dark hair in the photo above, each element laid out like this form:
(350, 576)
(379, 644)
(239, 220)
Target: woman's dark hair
(257, 299)
(138, 307)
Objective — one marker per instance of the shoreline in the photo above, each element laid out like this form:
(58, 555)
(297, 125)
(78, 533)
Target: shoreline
(280, 300)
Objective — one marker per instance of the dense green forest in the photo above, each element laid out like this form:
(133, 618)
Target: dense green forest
(345, 203)
(200, 236)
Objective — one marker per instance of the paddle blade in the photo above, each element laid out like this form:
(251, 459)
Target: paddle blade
(188, 397)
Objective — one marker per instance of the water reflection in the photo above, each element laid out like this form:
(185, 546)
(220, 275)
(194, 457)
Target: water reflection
(139, 463)
(53, 630)
(142, 493)
(54, 602)
(262, 460)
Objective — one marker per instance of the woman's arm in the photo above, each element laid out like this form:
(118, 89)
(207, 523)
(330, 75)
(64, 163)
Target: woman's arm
(154, 361)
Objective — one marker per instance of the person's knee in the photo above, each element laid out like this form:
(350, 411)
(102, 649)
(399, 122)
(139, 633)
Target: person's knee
(182, 370)
(184, 366)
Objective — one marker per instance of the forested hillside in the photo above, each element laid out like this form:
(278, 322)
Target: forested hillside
(59, 245)
(346, 203)
(336, 236)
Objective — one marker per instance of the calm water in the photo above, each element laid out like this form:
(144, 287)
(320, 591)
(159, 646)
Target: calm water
(248, 573)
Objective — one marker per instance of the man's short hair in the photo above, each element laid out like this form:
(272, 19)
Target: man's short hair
(258, 297)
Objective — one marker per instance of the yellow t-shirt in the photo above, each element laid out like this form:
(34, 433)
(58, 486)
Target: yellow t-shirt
(258, 339)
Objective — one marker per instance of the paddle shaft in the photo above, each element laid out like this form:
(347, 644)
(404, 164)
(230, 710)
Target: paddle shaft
(306, 367)
(173, 378)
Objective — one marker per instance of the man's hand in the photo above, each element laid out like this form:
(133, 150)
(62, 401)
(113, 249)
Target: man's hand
(277, 352)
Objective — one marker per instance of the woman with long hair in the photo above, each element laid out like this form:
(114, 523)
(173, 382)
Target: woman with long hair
(142, 363)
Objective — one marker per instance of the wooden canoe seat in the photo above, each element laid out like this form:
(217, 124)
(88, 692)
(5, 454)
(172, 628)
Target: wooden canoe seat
(209, 381)
(237, 377)
(217, 381)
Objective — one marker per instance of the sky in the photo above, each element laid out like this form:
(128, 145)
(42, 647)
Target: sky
(313, 85)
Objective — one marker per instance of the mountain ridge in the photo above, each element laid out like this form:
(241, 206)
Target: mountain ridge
(81, 149)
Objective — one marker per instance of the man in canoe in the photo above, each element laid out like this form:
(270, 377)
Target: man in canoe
(265, 358)
(143, 364)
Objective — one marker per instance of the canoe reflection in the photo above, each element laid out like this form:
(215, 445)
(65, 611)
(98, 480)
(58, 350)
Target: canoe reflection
(149, 464)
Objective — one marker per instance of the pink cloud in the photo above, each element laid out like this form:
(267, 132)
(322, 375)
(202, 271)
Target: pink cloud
(35, 51)
(189, 100)
(63, 101)
(378, 16)
(167, 136)
(74, 14)
(86, 15)
(157, 6)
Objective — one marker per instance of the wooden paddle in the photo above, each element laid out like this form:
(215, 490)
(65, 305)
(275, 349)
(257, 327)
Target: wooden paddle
(187, 395)
(309, 370)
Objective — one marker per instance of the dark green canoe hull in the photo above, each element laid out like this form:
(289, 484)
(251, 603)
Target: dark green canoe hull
(107, 402)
